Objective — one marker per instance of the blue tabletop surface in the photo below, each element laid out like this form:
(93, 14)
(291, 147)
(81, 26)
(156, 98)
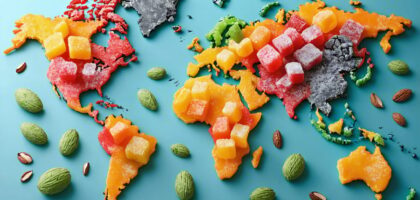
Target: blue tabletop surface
(165, 48)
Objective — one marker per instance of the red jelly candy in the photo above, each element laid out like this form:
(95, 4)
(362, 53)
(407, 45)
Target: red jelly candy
(297, 39)
(68, 71)
(314, 35)
(352, 30)
(283, 44)
(297, 23)
(295, 72)
(284, 82)
(308, 56)
(89, 71)
(270, 58)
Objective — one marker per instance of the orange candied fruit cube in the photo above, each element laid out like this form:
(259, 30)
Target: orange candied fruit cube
(260, 37)
(182, 100)
(138, 149)
(200, 90)
(226, 59)
(240, 134)
(120, 132)
(198, 109)
(79, 48)
(326, 20)
(245, 48)
(221, 128)
(225, 149)
(233, 111)
(54, 46)
(62, 28)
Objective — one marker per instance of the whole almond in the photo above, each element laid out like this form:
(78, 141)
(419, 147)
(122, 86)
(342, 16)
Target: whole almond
(376, 101)
(277, 139)
(399, 119)
(86, 168)
(21, 68)
(26, 176)
(317, 196)
(24, 158)
(402, 95)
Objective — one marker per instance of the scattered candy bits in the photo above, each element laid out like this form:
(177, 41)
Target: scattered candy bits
(256, 157)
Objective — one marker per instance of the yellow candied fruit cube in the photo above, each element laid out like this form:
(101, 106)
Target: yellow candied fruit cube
(232, 45)
(244, 48)
(200, 90)
(260, 37)
(326, 20)
(62, 28)
(183, 99)
(240, 134)
(226, 59)
(233, 111)
(79, 48)
(119, 132)
(54, 46)
(225, 148)
(138, 149)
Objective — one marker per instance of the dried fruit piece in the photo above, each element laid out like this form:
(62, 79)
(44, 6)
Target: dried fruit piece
(54, 181)
(34, 133)
(263, 193)
(24, 158)
(180, 150)
(402, 95)
(28, 100)
(400, 119)
(399, 67)
(293, 167)
(26, 176)
(372, 136)
(376, 101)
(317, 196)
(277, 139)
(256, 157)
(184, 185)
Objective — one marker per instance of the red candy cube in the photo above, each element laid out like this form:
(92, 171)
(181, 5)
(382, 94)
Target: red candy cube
(270, 59)
(283, 44)
(314, 35)
(295, 72)
(353, 31)
(220, 129)
(89, 71)
(297, 39)
(68, 71)
(297, 23)
(284, 82)
(308, 56)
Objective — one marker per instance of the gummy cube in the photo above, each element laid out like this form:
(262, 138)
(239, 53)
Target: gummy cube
(200, 90)
(297, 23)
(89, 71)
(198, 109)
(269, 58)
(233, 111)
(284, 82)
(353, 30)
(183, 100)
(295, 72)
(54, 46)
(326, 20)
(308, 56)
(220, 128)
(260, 37)
(226, 59)
(121, 132)
(239, 134)
(314, 35)
(79, 48)
(68, 71)
(283, 44)
(243, 48)
(297, 39)
(62, 28)
(225, 148)
(138, 149)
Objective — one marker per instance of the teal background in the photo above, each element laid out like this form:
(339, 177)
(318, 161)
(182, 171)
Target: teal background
(165, 48)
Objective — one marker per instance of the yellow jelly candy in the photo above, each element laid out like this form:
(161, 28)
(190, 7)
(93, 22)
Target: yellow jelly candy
(138, 149)
(336, 127)
(200, 90)
(225, 148)
(54, 46)
(260, 37)
(79, 48)
(122, 132)
(244, 48)
(326, 20)
(62, 28)
(226, 59)
(233, 111)
(183, 100)
(240, 134)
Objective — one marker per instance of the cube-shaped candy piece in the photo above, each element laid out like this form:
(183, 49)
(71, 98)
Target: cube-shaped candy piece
(233, 111)
(221, 128)
(295, 72)
(326, 20)
(226, 59)
(260, 37)
(295, 36)
(308, 56)
(89, 71)
(200, 90)
(269, 58)
(314, 35)
(239, 134)
(121, 133)
(182, 100)
(284, 82)
(62, 28)
(283, 44)
(138, 149)
(198, 109)
(353, 30)
(225, 149)
(68, 71)
(54, 46)
(79, 48)
(297, 23)
(243, 48)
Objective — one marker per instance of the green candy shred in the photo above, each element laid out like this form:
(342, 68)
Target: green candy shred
(328, 137)
(264, 10)
(227, 27)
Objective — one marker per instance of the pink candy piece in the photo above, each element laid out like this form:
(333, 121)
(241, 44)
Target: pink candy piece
(284, 82)
(295, 72)
(314, 35)
(297, 39)
(89, 71)
(297, 23)
(68, 71)
(283, 44)
(353, 30)
(269, 58)
(308, 56)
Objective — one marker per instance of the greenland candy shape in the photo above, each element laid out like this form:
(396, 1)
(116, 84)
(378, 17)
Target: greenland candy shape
(373, 169)
(353, 30)
(270, 58)
(326, 20)
(314, 35)
(297, 39)
(297, 23)
(284, 45)
(308, 56)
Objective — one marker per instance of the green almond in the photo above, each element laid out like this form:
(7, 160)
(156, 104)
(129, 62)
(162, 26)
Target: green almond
(180, 150)
(28, 100)
(147, 99)
(184, 185)
(156, 73)
(34, 133)
(69, 142)
(54, 181)
(399, 67)
(263, 193)
(293, 167)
